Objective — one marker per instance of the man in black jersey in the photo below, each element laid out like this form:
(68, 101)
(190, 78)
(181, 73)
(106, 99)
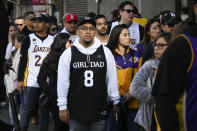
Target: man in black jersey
(34, 49)
(86, 77)
(175, 85)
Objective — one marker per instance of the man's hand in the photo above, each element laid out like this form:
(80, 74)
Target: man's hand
(116, 110)
(126, 97)
(20, 86)
(64, 115)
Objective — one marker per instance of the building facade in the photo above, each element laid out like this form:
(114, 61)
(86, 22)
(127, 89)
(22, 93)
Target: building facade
(147, 8)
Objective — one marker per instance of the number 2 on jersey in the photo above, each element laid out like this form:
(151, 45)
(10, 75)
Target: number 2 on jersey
(38, 58)
(88, 75)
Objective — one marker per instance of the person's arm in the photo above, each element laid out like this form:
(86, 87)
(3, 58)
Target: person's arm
(8, 51)
(111, 77)
(23, 62)
(63, 81)
(138, 87)
(42, 77)
(170, 83)
(23, 59)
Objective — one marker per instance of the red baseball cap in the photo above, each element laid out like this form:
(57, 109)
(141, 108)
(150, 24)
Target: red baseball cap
(71, 17)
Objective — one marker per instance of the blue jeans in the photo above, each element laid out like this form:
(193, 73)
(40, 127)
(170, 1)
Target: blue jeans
(132, 126)
(58, 124)
(31, 98)
(94, 126)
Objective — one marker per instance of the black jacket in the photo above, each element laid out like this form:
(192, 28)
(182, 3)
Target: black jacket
(48, 71)
(171, 79)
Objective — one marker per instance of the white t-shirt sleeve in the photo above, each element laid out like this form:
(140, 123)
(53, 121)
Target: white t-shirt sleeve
(63, 80)
(111, 77)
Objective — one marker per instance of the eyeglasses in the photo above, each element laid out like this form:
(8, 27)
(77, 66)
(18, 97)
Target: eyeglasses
(159, 45)
(54, 29)
(129, 11)
(19, 24)
(85, 28)
(99, 24)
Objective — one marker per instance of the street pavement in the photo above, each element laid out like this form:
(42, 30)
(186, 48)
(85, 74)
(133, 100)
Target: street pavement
(4, 116)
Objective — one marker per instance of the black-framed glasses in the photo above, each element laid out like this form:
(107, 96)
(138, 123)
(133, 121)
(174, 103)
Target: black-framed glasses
(19, 24)
(85, 28)
(159, 45)
(54, 29)
(129, 11)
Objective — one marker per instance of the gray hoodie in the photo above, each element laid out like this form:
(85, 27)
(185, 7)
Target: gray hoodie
(140, 88)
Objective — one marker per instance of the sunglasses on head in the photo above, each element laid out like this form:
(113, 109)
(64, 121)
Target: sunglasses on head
(129, 11)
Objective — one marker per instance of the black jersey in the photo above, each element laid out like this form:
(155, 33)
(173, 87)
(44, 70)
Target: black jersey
(87, 96)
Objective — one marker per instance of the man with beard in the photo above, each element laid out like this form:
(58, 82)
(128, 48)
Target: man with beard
(70, 25)
(101, 29)
(34, 49)
(86, 78)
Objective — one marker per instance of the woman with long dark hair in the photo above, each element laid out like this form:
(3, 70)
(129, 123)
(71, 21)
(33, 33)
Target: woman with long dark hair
(127, 64)
(49, 70)
(152, 29)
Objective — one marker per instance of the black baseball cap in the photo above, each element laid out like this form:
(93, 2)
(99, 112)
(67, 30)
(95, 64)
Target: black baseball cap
(40, 17)
(168, 17)
(85, 20)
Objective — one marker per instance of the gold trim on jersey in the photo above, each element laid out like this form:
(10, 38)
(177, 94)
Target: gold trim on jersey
(192, 51)
(26, 72)
(157, 122)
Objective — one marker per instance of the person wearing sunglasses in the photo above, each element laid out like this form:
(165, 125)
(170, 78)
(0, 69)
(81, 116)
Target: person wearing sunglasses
(127, 12)
(53, 28)
(169, 20)
(142, 83)
(20, 23)
(29, 28)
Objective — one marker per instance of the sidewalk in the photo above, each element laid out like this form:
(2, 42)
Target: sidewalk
(4, 116)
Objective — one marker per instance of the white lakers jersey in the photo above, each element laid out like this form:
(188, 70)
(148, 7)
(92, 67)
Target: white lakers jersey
(37, 51)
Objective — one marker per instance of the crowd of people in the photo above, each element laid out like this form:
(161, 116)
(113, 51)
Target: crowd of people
(127, 74)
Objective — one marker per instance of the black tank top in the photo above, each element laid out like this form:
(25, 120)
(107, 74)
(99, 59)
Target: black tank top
(87, 96)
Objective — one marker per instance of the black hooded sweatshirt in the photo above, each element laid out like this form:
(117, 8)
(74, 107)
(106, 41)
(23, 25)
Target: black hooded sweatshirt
(171, 78)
